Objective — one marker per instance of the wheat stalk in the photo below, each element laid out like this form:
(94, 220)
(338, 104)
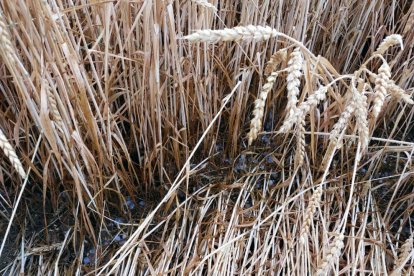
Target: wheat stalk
(389, 41)
(205, 4)
(381, 81)
(258, 112)
(295, 65)
(11, 154)
(333, 254)
(309, 212)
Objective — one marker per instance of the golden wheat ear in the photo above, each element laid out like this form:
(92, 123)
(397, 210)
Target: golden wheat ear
(11, 155)
(258, 112)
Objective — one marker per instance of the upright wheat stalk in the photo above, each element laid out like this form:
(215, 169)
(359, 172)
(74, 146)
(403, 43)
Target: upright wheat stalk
(11, 154)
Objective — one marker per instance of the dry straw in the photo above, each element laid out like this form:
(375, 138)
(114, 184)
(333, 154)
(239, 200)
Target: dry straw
(11, 154)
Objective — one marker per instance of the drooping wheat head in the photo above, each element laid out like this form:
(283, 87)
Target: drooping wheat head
(309, 213)
(381, 80)
(295, 71)
(333, 254)
(11, 155)
(389, 41)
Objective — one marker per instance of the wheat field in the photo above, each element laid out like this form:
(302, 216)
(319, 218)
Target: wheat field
(206, 137)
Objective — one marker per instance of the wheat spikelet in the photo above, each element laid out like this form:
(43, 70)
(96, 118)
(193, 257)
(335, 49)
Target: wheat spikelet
(11, 154)
(295, 65)
(234, 34)
(402, 259)
(309, 212)
(6, 47)
(389, 41)
(381, 80)
(312, 101)
(333, 254)
(205, 4)
(256, 122)
(277, 58)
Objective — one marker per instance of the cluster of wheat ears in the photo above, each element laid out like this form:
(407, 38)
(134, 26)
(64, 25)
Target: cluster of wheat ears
(124, 106)
(366, 94)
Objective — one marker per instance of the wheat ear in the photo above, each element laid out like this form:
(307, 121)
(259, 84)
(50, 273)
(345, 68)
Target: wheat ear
(295, 65)
(381, 81)
(6, 48)
(311, 102)
(398, 93)
(277, 58)
(389, 41)
(333, 254)
(258, 112)
(309, 212)
(54, 108)
(335, 138)
(234, 34)
(301, 143)
(361, 118)
(205, 4)
(402, 259)
(11, 154)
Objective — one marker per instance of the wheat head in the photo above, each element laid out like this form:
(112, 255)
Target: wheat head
(234, 34)
(205, 4)
(333, 254)
(6, 48)
(11, 154)
(309, 212)
(277, 58)
(258, 112)
(405, 251)
(295, 66)
(389, 41)
(381, 81)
